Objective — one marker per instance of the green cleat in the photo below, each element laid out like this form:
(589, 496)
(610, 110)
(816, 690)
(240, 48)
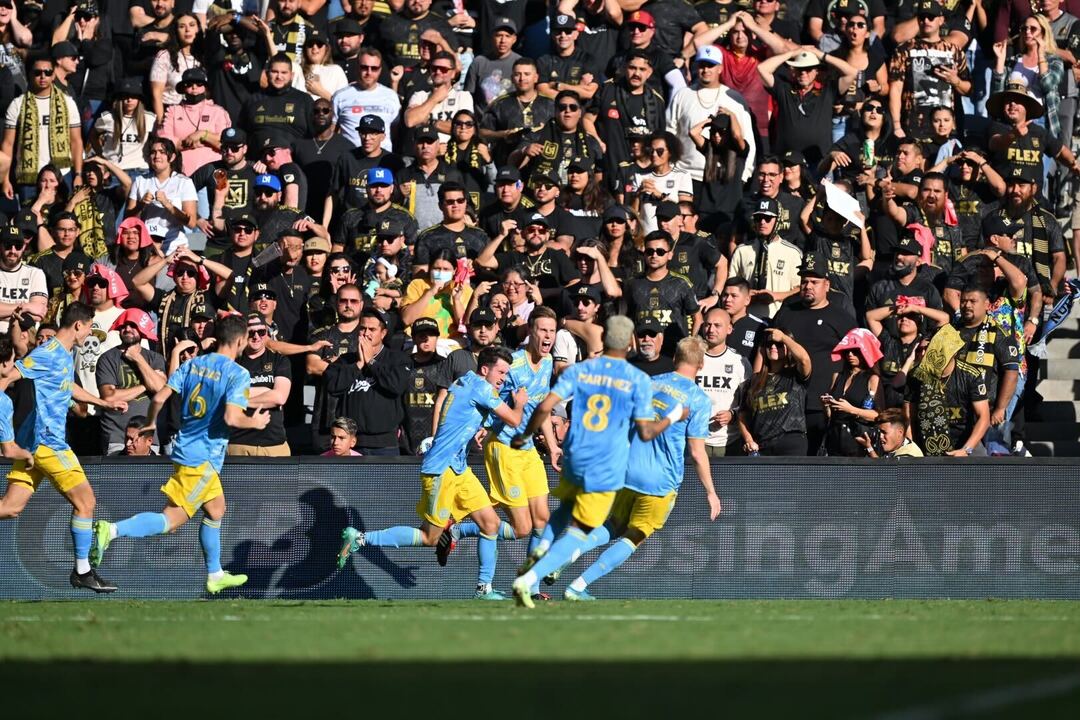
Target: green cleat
(100, 543)
(576, 596)
(486, 592)
(351, 541)
(523, 593)
(228, 580)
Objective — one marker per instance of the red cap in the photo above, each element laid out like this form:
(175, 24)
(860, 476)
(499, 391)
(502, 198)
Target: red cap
(142, 320)
(642, 17)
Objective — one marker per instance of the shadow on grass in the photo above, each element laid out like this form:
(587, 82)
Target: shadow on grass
(735, 689)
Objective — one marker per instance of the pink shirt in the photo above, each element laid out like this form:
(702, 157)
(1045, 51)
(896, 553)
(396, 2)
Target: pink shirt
(183, 120)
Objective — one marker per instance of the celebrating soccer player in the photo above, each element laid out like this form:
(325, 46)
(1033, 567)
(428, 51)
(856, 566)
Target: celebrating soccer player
(517, 477)
(608, 393)
(43, 438)
(214, 389)
(450, 489)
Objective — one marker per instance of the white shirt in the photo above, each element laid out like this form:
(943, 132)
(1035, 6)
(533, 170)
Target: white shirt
(100, 339)
(159, 222)
(456, 100)
(128, 153)
(565, 348)
(11, 122)
(331, 77)
(669, 185)
(350, 103)
(782, 260)
(162, 71)
(724, 378)
(691, 106)
(18, 286)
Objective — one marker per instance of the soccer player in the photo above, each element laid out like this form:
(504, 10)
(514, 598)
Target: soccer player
(450, 489)
(655, 470)
(43, 439)
(214, 390)
(608, 394)
(518, 480)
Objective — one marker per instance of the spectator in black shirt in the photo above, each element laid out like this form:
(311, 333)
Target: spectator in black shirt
(318, 157)
(747, 331)
(229, 184)
(510, 115)
(647, 357)
(658, 294)
(427, 385)
(271, 381)
(280, 110)
(773, 420)
(501, 218)
(550, 269)
(570, 68)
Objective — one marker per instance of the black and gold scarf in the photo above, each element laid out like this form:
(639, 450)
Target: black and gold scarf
(29, 128)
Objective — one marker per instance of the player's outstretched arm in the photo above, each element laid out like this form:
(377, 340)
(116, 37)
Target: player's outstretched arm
(704, 473)
(156, 403)
(539, 416)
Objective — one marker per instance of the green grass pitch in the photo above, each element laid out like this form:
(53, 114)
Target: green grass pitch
(832, 659)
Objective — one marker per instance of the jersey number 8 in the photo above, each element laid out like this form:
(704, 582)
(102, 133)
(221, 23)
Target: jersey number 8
(596, 413)
(196, 403)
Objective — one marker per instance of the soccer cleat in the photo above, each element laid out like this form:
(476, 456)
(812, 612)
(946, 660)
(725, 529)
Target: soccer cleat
(486, 592)
(577, 596)
(226, 581)
(541, 596)
(445, 546)
(351, 541)
(522, 594)
(534, 557)
(91, 581)
(100, 543)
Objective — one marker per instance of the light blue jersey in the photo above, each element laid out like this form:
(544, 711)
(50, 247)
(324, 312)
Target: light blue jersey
(52, 369)
(7, 412)
(609, 394)
(656, 468)
(206, 384)
(468, 402)
(537, 382)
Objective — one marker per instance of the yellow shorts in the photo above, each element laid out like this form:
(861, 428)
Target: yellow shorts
(191, 487)
(62, 468)
(591, 509)
(515, 476)
(450, 495)
(645, 513)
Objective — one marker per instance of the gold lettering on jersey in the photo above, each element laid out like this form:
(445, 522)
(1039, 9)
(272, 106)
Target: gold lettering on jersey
(608, 382)
(770, 402)
(206, 373)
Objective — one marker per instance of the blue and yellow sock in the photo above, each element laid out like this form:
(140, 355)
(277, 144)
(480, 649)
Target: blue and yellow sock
(487, 553)
(143, 525)
(398, 537)
(82, 532)
(610, 559)
(465, 529)
(210, 539)
(565, 551)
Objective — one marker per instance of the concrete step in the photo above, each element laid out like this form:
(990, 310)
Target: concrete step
(1059, 389)
(1053, 448)
(1063, 350)
(1063, 369)
(1060, 411)
(1052, 431)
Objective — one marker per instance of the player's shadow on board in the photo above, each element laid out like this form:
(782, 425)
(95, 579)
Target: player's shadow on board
(739, 688)
(273, 571)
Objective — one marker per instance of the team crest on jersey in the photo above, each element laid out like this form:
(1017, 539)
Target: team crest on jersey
(654, 302)
(419, 383)
(683, 258)
(289, 107)
(779, 264)
(384, 225)
(835, 250)
(748, 338)
(729, 369)
(550, 150)
(25, 281)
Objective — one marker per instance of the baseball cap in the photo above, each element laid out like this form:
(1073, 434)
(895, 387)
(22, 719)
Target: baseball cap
(201, 310)
(1024, 174)
(709, 54)
(380, 176)
(586, 291)
(316, 37)
(616, 212)
(585, 163)
(505, 23)
(64, 49)
(649, 325)
(371, 124)
(908, 243)
(390, 228)
(128, 87)
(814, 265)
(192, 75)
(140, 319)
(667, 210)
(243, 218)
(641, 17)
(26, 221)
(76, 261)
(928, 7)
(482, 316)
(233, 136)
(508, 174)
(792, 158)
(377, 314)
(270, 181)
(317, 244)
(347, 26)
(261, 289)
(426, 132)
(11, 234)
(424, 325)
(538, 219)
(563, 22)
(767, 206)
(997, 224)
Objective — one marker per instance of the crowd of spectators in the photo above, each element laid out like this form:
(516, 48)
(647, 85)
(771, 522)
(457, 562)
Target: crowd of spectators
(866, 209)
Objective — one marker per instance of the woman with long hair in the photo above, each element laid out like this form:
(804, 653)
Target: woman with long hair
(51, 197)
(15, 38)
(855, 395)
(132, 252)
(120, 133)
(471, 155)
(797, 179)
(165, 199)
(863, 52)
(322, 77)
(82, 27)
(584, 198)
(663, 183)
(338, 270)
(773, 420)
(179, 54)
(719, 197)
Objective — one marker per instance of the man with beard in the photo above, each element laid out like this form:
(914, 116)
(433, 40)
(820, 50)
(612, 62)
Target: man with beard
(22, 287)
(569, 68)
(272, 216)
(153, 30)
(271, 381)
(483, 332)
(549, 150)
(642, 29)
(510, 115)
(318, 157)
(131, 373)
(818, 325)
(351, 171)
(662, 296)
(501, 217)
(453, 233)
(229, 184)
(427, 387)
(348, 37)
(366, 96)
(280, 110)
(442, 101)
(908, 289)
(768, 262)
(625, 106)
(359, 228)
(289, 29)
(401, 32)
(725, 378)
(929, 211)
(650, 341)
(343, 339)
(747, 331)
(550, 269)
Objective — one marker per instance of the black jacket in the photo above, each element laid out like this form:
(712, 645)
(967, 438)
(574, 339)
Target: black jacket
(371, 395)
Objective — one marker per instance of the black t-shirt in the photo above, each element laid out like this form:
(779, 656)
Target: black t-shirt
(883, 229)
(1024, 151)
(551, 269)
(889, 291)
(401, 37)
(493, 214)
(357, 230)
(840, 254)
(558, 149)
(972, 202)
(747, 334)
(695, 256)
(264, 370)
(818, 331)
(282, 114)
(468, 242)
(967, 272)
(318, 159)
(350, 173)
(942, 422)
(662, 364)
(570, 69)
(674, 18)
(670, 301)
(427, 377)
(780, 406)
(239, 188)
(851, 144)
(619, 113)
(804, 122)
(506, 112)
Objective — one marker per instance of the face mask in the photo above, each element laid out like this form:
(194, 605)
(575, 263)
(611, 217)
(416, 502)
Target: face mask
(902, 270)
(441, 276)
(194, 99)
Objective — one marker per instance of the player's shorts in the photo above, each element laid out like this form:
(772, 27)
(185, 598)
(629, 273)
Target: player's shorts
(591, 509)
(515, 476)
(191, 487)
(644, 513)
(450, 495)
(62, 468)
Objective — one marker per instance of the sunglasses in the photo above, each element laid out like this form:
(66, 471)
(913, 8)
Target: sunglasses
(231, 147)
(858, 24)
(638, 27)
(181, 273)
(316, 43)
(263, 296)
(243, 229)
(370, 68)
(651, 252)
(440, 69)
(323, 111)
(43, 72)
(75, 273)
(657, 151)
(763, 218)
(454, 201)
(614, 220)
(265, 192)
(564, 31)
(875, 109)
(464, 123)
(545, 186)
(569, 107)
(341, 270)
(586, 301)
(647, 334)
(924, 17)
(12, 245)
(257, 333)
